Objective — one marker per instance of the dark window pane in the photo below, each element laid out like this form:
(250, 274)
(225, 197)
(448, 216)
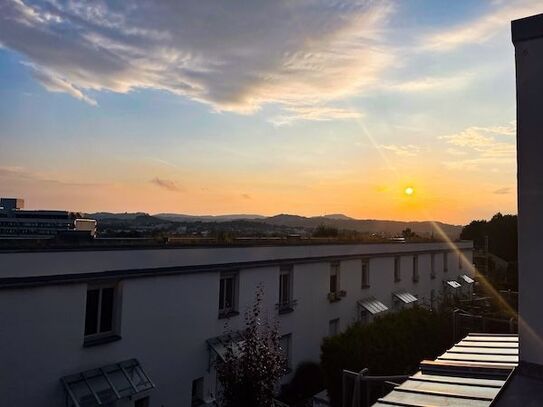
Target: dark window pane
(229, 292)
(106, 316)
(333, 283)
(284, 288)
(91, 312)
(221, 294)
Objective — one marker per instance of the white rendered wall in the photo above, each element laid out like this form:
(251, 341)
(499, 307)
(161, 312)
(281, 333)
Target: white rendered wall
(166, 319)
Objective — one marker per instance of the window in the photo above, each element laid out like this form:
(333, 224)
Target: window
(285, 287)
(100, 311)
(365, 273)
(445, 262)
(433, 266)
(397, 271)
(198, 392)
(228, 294)
(334, 277)
(333, 327)
(460, 260)
(415, 269)
(143, 402)
(284, 346)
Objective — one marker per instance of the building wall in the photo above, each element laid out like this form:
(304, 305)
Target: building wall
(166, 319)
(528, 39)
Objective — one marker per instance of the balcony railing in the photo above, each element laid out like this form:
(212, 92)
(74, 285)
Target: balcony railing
(335, 296)
(285, 307)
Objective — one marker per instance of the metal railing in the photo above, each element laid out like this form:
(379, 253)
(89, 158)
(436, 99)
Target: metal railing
(361, 390)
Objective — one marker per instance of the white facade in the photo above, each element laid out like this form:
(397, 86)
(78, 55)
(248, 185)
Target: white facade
(168, 306)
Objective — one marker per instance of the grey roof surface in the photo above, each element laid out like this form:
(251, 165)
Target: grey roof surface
(372, 305)
(220, 344)
(405, 297)
(107, 384)
(470, 374)
(453, 284)
(467, 279)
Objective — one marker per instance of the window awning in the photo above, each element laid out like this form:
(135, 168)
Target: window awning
(372, 305)
(453, 284)
(467, 279)
(220, 344)
(405, 297)
(107, 384)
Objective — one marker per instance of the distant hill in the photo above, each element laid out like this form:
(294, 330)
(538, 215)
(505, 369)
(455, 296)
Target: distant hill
(339, 221)
(337, 216)
(207, 218)
(118, 216)
(387, 227)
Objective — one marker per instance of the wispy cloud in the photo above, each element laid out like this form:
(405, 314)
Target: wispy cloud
(483, 145)
(22, 173)
(317, 113)
(246, 196)
(167, 184)
(502, 191)
(494, 22)
(245, 56)
(402, 150)
(54, 83)
(434, 83)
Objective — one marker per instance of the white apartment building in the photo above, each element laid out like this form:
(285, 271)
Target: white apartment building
(143, 327)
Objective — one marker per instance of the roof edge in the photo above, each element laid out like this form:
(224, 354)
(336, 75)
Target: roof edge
(527, 28)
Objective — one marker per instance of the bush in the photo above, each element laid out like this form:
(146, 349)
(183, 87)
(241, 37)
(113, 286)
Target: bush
(394, 344)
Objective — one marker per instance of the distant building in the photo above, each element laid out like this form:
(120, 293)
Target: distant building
(18, 222)
(145, 326)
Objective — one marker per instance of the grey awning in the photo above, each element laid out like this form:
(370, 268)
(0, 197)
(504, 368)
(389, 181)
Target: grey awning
(107, 384)
(453, 284)
(220, 344)
(372, 305)
(405, 297)
(467, 279)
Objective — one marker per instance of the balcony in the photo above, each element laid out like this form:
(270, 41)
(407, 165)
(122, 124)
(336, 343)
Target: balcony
(336, 296)
(286, 307)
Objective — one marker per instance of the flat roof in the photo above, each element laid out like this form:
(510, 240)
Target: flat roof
(57, 267)
(471, 373)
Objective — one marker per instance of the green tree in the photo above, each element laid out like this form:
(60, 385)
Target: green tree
(502, 235)
(325, 231)
(249, 378)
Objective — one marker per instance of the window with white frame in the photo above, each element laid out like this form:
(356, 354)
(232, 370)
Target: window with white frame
(415, 269)
(228, 294)
(433, 266)
(285, 286)
(445, 262)
(333, 327)
(334, 277)
(397, 269)
(101, 311)
(285, 344)
(365, 273)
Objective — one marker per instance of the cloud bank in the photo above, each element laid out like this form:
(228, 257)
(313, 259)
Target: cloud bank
(235, 55)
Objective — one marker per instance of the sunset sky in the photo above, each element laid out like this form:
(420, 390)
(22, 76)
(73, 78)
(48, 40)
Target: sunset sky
(303, 107)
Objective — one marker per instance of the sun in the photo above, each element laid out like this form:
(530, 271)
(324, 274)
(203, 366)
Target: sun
(409, 191)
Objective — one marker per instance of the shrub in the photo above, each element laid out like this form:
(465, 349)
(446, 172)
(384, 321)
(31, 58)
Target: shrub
(392, 345)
